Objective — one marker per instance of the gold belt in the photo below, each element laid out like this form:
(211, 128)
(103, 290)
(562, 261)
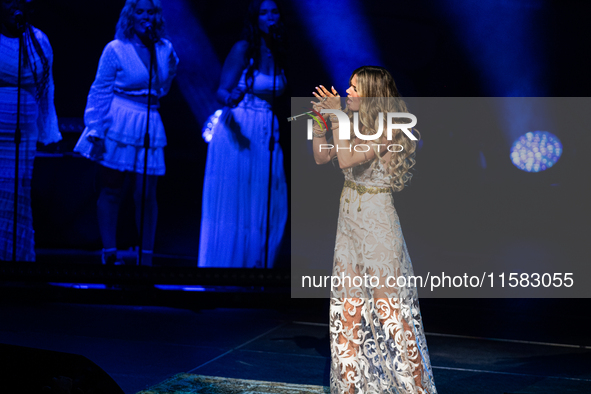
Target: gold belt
(361, 190)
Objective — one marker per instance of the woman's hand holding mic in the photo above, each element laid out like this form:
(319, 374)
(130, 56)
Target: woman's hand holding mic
(234, 97)
(327, 99)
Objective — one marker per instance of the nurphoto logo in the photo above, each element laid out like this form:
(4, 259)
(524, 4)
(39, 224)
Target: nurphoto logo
(345, 129)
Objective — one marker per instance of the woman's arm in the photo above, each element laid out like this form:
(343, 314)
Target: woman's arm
(228, 92)
(349, 157)
(323, 152)
(101, 94)
(172, 63)
(47, 120)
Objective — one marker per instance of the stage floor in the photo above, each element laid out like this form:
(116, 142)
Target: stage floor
(476, 346)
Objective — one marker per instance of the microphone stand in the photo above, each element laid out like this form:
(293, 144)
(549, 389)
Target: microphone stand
(17, 141)
(152, 49)
(271, 150)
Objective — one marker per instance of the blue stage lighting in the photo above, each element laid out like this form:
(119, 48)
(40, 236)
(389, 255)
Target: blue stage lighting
(343, 41)
(536, 151)
(92, 286)
(199, 67)
(180, 288)
(502, 39)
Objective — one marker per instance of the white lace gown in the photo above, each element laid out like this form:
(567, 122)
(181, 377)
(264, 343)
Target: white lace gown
(377, 339)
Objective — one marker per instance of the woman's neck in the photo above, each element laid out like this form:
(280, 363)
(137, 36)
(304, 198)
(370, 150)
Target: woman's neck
(9, 31)
(267, 43)
(141, 41)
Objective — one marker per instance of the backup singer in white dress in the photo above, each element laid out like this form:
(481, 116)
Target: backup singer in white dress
(38, 122)
(376, 333)
(116, 117)
(115, 113)
(233, 224)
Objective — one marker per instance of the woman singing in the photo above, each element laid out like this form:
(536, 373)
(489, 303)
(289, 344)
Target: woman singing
(376, 332)
(37, 119)
(116, 116)
(234, 215)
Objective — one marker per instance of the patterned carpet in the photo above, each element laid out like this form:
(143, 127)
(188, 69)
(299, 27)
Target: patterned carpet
(185, 383)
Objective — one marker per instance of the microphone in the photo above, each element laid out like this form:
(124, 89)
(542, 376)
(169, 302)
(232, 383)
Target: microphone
(297, 116)
(18, 16)
(291, 118)
(19, 19)
(149, 31)
(274, 31)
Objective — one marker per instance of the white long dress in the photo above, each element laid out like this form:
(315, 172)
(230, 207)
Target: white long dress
(377, 339)
(234, 214)
(38, 122)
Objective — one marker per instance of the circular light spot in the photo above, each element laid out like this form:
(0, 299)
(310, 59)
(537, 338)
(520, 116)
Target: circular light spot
(536, 151)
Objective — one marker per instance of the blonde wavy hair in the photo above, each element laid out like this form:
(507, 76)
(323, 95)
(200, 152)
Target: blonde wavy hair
(124, 29)
(379, 94)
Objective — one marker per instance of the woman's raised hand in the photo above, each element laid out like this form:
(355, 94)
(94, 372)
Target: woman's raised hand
(327, 99)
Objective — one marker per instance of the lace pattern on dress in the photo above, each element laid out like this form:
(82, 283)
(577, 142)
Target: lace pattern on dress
(377, 338)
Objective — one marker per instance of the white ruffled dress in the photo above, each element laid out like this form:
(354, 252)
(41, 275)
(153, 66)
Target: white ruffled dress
(119, 122)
